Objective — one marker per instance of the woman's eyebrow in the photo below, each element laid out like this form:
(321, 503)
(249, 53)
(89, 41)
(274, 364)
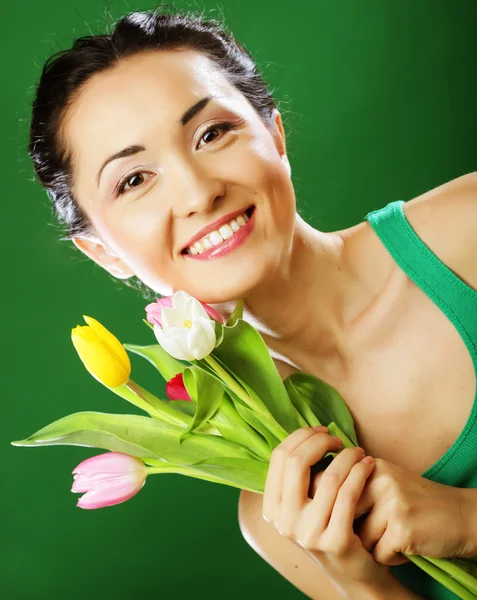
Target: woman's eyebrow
(130, 150)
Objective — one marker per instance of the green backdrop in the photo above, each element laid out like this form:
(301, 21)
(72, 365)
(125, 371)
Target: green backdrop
(379, 102)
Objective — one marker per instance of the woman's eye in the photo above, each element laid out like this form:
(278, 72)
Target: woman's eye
(129, 180)
(136, 179)
(224, 126)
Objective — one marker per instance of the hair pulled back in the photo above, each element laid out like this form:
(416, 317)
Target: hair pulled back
(66, 71)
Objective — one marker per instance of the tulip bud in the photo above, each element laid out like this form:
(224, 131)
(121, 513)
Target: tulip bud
(185, 330)
(102, 353)
(108, 479)
(154, 310)
(176, 390)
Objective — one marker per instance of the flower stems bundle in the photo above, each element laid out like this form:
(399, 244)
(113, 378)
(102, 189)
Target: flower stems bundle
(227, 409)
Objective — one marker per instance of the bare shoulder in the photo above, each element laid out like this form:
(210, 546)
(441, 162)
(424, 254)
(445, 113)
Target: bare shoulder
(445, 218)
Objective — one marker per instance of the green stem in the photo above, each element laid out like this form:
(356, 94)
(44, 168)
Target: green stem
(232, 426)
(459, 574)
(238, 390)
(160, 409)
(441, 577)
(229, 381)
(334, 429)
(194, 473)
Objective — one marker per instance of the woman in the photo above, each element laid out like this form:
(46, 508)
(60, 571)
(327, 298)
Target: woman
(164, 154)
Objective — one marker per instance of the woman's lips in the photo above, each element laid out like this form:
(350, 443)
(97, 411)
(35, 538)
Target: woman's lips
(237, 239)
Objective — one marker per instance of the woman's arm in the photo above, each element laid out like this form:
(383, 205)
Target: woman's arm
(290, 560)
(395, 590)
(469, 516)
(392, 589)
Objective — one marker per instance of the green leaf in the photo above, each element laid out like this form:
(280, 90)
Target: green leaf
(157, 408)
(236, 472)
(234, 427)
(246, 355)
(188, 408)
(150, 325)
(135, 435)
(219, 333)
(236, 314)
(167, 366)
(240, 472)
(254, 403)
(206, 392)
(323, 400)
(300, 403)
(256, 421)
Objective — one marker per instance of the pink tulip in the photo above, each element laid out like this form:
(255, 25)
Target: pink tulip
(108, 479)
(154, 310)
(176, 390)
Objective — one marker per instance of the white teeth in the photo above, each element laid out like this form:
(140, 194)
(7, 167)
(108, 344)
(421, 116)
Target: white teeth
(215, 238)
(226, 231)
(199, 247)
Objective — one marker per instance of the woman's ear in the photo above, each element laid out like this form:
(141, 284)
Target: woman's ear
(280, 139)
(103, 256)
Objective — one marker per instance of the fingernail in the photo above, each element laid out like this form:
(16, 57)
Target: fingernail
(368, 460)
(320, 428)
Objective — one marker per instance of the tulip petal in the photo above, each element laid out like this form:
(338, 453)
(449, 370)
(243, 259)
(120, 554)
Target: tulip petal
(154, 310)
(111, 494)
(179, 300)
(154, 314)
(176, 390)
(108, 479)
(81, 483)
(172, 317)
(213, 314)
(195, 308)
(109, 339)
(172, 343)
(98, 359)
(201, 339)
(166, 301)
(113, 462)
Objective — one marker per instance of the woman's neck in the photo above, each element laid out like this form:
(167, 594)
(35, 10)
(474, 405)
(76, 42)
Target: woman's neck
(307, 307)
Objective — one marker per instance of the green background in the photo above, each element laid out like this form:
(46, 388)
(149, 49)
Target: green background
(379, 104)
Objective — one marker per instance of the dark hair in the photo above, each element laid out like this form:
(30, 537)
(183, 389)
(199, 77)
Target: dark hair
(66, 71)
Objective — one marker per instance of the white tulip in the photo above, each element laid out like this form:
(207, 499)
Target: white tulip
(187, 333)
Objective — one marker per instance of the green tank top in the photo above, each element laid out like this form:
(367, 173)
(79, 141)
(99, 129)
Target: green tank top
(458, 301)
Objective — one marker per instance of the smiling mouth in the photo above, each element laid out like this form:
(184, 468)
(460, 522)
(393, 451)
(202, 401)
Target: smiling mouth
(215, 238)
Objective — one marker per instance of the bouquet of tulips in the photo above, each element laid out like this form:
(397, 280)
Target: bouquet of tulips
(227, 409)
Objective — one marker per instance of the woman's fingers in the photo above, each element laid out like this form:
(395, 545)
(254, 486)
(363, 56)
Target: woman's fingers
(331, 480)
(340, 532)
(296, 475)
(297, 468)
(272, 495)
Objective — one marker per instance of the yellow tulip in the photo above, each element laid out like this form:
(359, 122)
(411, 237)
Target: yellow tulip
(102, 353)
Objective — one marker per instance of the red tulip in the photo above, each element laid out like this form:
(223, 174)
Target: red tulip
(176, 390)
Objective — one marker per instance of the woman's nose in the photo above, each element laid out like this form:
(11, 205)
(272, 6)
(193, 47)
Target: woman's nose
(194, 191)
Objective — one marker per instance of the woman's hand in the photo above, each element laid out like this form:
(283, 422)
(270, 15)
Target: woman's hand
(323, 524)
(413, 515)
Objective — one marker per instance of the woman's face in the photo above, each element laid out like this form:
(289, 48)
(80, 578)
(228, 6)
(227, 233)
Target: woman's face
(179, 178)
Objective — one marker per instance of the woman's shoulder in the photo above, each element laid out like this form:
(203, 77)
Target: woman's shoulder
(445, 219)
